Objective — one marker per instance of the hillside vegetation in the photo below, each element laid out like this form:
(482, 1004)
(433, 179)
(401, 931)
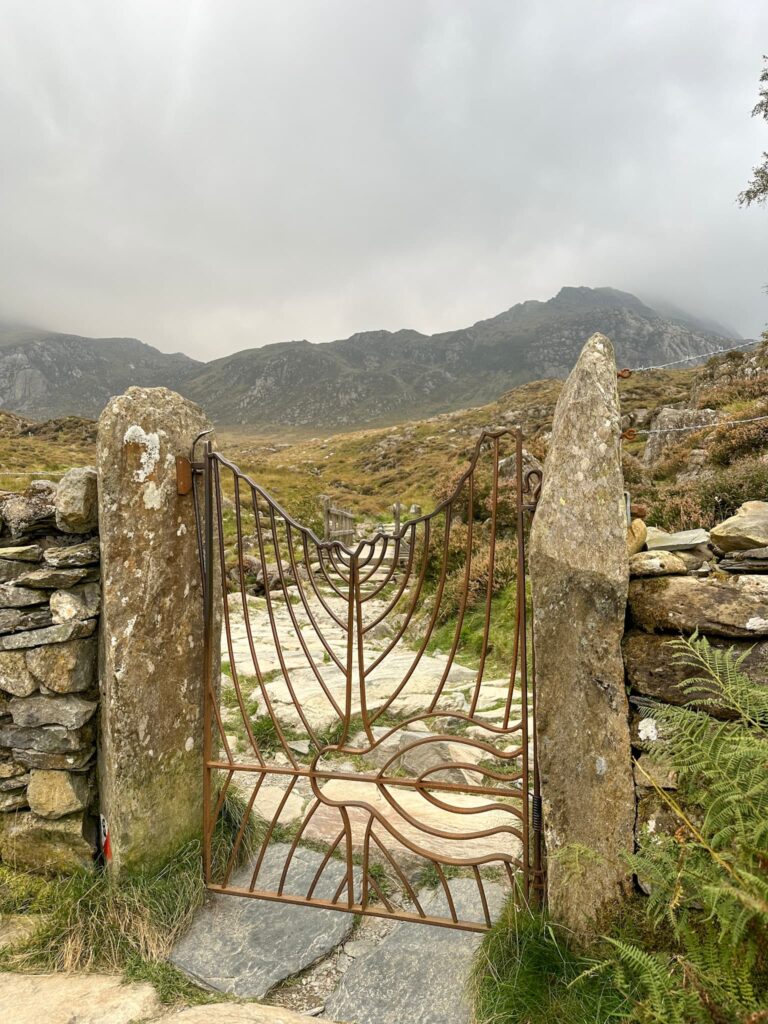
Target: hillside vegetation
(699, 476)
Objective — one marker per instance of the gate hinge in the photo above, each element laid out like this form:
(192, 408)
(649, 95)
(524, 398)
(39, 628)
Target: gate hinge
(184, 470)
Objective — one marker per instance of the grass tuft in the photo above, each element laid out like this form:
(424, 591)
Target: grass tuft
(90, 922)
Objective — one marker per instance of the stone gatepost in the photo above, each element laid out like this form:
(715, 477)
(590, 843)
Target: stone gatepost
(151, 665)
(580, 575)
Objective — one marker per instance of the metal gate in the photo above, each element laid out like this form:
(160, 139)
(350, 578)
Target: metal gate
(376, 710)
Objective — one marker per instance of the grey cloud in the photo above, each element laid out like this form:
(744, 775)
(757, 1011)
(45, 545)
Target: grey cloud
(210, 176)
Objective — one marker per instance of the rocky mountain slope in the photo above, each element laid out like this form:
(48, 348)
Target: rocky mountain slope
(46, 374)
(372, 378)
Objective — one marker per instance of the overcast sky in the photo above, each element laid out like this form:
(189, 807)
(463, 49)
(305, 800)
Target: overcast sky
(210, 175)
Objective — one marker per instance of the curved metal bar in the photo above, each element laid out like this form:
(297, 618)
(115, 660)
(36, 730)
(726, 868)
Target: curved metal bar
(305, 602)
(294, 621)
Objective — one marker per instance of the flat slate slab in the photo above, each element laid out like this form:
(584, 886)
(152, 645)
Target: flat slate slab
(418, 973)
(246, 946)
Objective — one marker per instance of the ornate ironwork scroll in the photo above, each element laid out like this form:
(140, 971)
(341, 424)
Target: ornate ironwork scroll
(377, 707)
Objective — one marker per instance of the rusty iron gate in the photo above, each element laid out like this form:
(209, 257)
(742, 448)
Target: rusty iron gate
(372, 763)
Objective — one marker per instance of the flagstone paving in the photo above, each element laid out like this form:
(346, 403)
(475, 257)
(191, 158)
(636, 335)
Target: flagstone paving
(246, 946)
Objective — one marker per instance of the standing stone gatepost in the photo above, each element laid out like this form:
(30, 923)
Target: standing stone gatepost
(151, 665)
(580, 574)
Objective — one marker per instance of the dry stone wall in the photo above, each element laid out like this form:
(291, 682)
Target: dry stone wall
(49, 608)
(715, 583)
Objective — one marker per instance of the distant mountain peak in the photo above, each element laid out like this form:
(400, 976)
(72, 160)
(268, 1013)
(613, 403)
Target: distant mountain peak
(369, 379)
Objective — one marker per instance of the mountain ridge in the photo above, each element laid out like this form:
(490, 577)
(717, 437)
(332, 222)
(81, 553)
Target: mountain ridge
(371, 378)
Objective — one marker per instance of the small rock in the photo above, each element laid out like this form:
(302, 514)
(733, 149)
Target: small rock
(16, 929)
(13, 620)
(54, 794)
(13, 801)
(74, 556)
(51, 578)
(15, 677)
(358, 947)
(748, 528)
(52, 635)
(55, 762)
(78, 603)
(19, 597)
(649, 774)
(750, 560)
(68, 710)
(660, 540)
(23, 513)
(636, 536)
(15, 782)
(656, 563)
(48, 739)
(26, 553)
(36, 844)
(68, 667)
(76, 501)
(12, 570)
(697, 558)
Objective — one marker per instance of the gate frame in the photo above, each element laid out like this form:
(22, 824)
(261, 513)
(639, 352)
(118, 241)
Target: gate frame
(528, 486)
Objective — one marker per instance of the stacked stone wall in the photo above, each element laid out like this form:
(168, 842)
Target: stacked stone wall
(713, 583)
(49, 608)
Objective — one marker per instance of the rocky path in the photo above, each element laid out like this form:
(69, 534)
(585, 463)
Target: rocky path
(324, 962)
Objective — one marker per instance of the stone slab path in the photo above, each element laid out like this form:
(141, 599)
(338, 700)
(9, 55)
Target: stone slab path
(417, 974)
(246, 946)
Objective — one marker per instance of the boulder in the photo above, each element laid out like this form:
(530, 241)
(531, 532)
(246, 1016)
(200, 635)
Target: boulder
(78, 603)
(682, 604)
(656, 563)
(748, 528)
(579, 601)
(73, 556)
(76, 501)
(653, 672)
(151, 672)
(68, 710)
(636, 535)
(44, 846)
(53, 794)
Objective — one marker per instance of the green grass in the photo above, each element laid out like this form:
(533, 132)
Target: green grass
(500, 637)
(526, 972)
(89, 922)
